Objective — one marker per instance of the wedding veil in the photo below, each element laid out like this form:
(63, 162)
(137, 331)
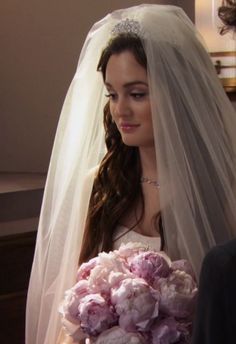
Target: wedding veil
(194, 126)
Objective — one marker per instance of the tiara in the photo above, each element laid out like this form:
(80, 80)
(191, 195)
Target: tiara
(127, 26)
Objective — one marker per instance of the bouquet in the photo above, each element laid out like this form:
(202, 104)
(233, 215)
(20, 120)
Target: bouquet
(131, 295)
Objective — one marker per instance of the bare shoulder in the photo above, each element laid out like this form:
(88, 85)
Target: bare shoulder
(90, 175)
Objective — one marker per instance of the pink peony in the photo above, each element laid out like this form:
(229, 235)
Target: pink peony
(151, 298)
(131, 249)
(165, 331)
(178, 294)
(70, 310)
(96, 315)
(112, 261)
(136, 303)
(110, 267)
(117, 335)
(70, 307)
(115, 278)
(183, 265)
(150, 265)
(85, 269)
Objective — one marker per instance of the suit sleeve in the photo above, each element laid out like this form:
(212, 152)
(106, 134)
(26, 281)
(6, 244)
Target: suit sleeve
(208, 325)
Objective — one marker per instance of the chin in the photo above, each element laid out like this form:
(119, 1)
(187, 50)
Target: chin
(130, 142)
(137, 142)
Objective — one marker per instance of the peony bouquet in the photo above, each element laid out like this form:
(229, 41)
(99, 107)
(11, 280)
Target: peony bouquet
(131, 295)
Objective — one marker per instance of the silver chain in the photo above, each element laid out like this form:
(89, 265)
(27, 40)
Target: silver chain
(149, 181)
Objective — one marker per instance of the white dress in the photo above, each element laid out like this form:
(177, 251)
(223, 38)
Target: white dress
(124, 235)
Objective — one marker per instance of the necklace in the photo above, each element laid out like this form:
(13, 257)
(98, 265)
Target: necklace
(149, 181)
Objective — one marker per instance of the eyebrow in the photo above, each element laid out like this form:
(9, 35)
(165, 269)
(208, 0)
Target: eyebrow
(128, 84)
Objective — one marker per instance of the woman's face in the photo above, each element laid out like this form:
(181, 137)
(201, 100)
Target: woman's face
(127, 87)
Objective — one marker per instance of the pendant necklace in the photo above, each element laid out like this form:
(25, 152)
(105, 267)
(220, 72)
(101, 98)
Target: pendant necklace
(155, 183)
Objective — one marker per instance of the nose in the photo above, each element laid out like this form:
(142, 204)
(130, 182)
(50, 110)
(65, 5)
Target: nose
(121, 107)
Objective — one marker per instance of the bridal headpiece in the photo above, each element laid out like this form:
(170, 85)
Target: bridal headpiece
(127, 26)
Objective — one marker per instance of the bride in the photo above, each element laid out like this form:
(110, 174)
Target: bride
(166, 171)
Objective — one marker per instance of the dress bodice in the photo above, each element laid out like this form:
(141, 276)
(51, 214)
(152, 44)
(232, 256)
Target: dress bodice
(124, 235)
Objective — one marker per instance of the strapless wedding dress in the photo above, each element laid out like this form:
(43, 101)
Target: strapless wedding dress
(124, 235)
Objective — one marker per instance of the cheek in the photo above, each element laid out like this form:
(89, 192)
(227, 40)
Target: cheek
(147, 114)
(111, 108)
(150, 120)
(112, 112)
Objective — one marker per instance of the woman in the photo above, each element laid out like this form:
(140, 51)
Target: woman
(173, 127)
(123, 203)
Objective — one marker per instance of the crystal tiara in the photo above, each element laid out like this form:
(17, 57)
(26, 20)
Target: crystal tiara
(127, 26)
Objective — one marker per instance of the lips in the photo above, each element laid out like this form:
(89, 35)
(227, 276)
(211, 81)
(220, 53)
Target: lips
(128, 128)
(128, 125)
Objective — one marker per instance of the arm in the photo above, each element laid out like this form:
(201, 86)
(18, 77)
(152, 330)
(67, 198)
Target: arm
(229, 292)
(63, 338)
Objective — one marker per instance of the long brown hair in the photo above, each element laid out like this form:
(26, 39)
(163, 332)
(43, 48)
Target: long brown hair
(116, 188)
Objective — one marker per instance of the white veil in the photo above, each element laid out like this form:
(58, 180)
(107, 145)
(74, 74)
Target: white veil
(194, 126)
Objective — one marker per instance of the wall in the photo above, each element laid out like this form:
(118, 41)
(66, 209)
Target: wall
(40, 43)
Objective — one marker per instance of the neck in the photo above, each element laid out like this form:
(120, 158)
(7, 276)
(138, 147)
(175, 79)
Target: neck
(148, 162)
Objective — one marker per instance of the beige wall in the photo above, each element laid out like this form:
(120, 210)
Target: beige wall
(40, 43)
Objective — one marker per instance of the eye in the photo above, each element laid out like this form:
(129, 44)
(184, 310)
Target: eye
(138, 95)
(112, 96)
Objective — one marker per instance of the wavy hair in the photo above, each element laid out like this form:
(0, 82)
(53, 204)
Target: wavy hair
(116, 188)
